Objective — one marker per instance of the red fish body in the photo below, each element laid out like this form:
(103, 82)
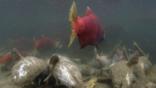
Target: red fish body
(5, 58)
(43, 43)
(88, 29)
(23, 44)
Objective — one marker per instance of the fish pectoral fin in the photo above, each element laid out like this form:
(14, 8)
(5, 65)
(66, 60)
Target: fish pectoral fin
(72, 38)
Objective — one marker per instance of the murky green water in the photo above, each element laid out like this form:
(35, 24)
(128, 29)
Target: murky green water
(122, 20)
(132, 20)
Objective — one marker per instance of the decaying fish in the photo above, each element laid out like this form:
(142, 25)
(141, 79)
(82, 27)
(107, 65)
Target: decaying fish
(139, 61)
(119, 55)
(65, 71)
(25, 71)
(102, 59)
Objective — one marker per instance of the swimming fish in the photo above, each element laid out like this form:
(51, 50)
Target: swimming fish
(43, 42)
(86, 28)
(13, 55)
(5, 58)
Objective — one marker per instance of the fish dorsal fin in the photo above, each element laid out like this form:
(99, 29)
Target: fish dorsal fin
(73, 12)
(89, 11)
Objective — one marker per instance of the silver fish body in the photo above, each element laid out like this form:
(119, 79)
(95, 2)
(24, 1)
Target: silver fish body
(24, 71)
(67, 72)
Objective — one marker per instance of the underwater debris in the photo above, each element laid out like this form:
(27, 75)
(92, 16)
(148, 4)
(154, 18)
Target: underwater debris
(133, 58)
(106, 60)
(119, 55)
(139, 62)
(142, 67)
(138, 48)
(128, 69)
(60, 72)
(102, 59)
